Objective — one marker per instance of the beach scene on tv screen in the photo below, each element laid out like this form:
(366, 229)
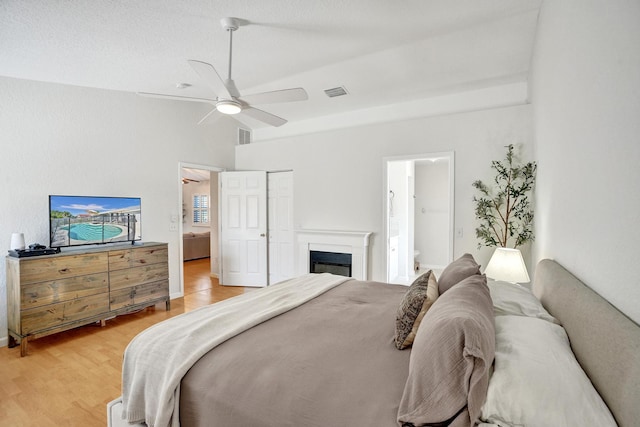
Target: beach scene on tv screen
(78, 220)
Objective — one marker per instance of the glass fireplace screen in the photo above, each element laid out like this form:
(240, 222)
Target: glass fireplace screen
(330, 262)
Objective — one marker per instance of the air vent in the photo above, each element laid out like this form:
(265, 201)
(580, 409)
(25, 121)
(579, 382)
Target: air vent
(336, 91)
(244, 136)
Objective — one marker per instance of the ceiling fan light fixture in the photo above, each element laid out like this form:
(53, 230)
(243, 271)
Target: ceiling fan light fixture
(228, 107)
(227, 99)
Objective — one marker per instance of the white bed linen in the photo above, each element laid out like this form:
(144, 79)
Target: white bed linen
(537, 381)
(514, 299)
(158, 358)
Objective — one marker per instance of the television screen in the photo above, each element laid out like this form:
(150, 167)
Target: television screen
(87, 220)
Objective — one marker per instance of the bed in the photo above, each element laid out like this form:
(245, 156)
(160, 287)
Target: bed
(330, 358)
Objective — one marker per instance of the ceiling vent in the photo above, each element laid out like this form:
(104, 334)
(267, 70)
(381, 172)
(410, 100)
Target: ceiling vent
(336, 91)
(244, 136)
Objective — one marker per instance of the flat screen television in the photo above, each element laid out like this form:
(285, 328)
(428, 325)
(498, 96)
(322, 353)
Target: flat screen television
(90, 220)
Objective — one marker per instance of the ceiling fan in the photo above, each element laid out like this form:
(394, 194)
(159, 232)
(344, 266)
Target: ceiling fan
(228, 99)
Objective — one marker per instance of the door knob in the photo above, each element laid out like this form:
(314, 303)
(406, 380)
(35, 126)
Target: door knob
(262, 234)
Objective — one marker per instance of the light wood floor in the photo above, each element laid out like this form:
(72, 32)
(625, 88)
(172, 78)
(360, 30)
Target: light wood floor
(68, 378)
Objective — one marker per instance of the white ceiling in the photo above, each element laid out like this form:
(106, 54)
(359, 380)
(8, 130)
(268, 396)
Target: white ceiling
(197, 175)
(382, 51)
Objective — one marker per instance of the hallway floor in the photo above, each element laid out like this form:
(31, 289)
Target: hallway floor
(200, 288)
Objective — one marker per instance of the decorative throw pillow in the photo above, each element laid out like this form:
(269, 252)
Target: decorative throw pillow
(416, 301)
(457, 271)
(450, 359)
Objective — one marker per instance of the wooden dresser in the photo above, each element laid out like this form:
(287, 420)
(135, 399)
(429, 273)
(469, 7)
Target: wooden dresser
(53, 293)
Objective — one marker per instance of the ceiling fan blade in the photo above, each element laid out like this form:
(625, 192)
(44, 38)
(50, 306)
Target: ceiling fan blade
(175, 97)
(209, 114)
(211, 77)
(263, 116)
(284, 95)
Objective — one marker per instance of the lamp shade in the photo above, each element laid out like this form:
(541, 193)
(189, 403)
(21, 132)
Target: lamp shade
(17, 241)
(507, 265)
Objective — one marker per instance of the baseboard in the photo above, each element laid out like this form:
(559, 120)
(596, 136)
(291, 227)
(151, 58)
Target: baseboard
(4, 342)
(215, 275)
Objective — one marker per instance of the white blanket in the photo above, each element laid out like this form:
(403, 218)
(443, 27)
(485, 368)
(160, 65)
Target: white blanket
(158, 358)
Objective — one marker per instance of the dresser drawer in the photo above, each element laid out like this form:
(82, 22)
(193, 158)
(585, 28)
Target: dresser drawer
(60, 290)
(54, 315)
(47, 269)
(138, 275)
(140, 294)
(134, 257)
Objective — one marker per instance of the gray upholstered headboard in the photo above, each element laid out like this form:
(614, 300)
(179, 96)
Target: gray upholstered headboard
(605, 341)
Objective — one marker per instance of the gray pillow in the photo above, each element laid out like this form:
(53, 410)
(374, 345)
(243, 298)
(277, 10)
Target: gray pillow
(457, 271)
(451, 357)
(416, 301)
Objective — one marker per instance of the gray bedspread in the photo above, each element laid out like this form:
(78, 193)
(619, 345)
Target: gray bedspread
(330, 362)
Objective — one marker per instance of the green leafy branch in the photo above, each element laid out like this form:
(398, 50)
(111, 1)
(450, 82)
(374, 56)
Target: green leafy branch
(505, 212)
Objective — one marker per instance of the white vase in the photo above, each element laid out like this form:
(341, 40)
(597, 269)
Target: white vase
(17, 241)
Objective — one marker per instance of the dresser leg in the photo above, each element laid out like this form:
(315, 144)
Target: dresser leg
(168, 304)
(23, 347)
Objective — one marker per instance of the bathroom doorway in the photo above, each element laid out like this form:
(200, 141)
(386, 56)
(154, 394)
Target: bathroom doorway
(419, 195)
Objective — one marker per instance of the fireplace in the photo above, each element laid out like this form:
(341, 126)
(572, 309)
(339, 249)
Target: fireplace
(352, 244)
(330, 262)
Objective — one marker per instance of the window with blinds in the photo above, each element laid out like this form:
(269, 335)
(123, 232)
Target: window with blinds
(201, 209)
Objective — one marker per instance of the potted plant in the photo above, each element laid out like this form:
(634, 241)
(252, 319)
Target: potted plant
(504, 210)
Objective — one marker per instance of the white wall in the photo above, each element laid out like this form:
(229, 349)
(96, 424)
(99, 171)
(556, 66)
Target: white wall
(586, 101)
(432, 213)
(58, 139)
(338, 174)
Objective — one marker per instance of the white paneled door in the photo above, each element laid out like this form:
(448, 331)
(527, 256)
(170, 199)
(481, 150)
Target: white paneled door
(243, 228)
(281, 234)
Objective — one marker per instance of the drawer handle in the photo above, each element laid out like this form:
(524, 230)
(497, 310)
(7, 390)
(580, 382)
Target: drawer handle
(64, 270)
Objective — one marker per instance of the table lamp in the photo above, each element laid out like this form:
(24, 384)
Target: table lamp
(507, 265)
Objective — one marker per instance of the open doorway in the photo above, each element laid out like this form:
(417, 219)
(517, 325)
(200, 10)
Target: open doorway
(198, 207)
(418, 194)
(197, 180)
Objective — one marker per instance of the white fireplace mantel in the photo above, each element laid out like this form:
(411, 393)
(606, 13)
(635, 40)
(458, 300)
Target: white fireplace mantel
(355, 243)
